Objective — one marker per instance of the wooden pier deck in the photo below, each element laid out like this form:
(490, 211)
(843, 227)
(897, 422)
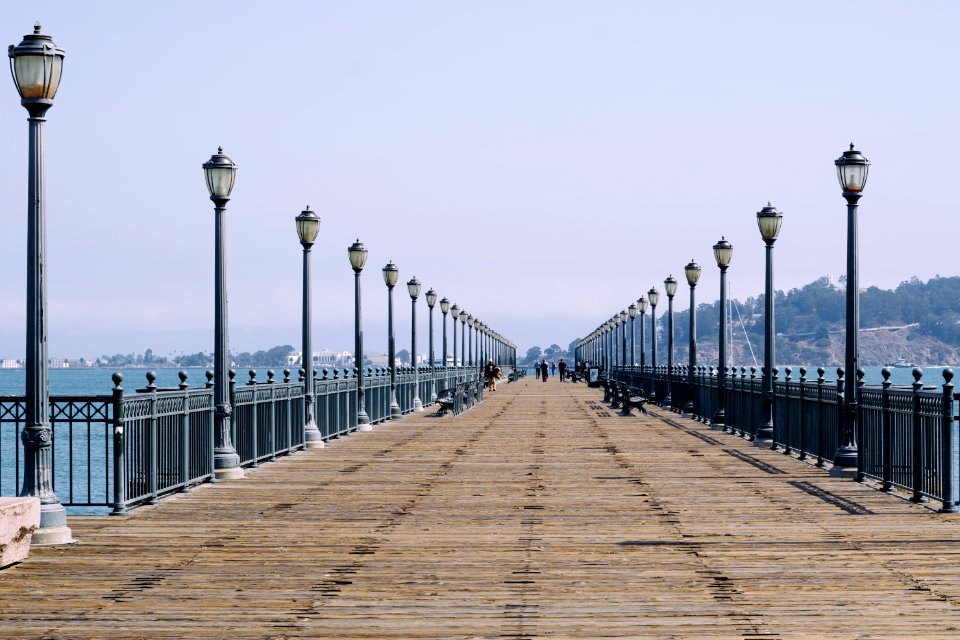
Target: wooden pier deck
(541, 513)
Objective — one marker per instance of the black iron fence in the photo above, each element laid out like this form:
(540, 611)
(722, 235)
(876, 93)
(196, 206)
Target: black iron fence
(907, 435)
(117, 451)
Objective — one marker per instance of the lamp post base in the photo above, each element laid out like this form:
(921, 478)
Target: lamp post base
(845, 462)
(50, 536)
(395, 412)
(417, 405)
(365, 427)
(312, 438)
(228, 473)
(719, 421)
(837, 471)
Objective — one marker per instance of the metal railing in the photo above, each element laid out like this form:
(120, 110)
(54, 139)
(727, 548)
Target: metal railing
(907, 435)
(122, 450)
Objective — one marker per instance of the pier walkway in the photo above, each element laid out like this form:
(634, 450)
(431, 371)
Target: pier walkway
(540, 513)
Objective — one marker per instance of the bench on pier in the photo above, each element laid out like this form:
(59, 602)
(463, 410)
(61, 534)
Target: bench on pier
(515, 375)
(453, 402)
(630, 398)
(609, 390)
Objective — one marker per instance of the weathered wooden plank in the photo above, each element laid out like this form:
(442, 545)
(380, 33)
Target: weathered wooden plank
(539, 513)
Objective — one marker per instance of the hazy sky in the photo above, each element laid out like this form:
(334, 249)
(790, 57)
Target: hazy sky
(540, 163)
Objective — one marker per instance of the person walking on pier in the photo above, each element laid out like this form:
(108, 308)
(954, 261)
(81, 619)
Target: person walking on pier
(544, 370)
(563, 369)
(491, 372)
(536, 368)
(553, 368)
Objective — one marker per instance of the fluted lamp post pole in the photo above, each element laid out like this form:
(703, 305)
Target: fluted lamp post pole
(36, 64)
(444, 309)
(769, 219)
(308, 226)
(670, 287)
(481, 342)
(220, 173)
(413, 288)
(642, 305)
(469, 330)
(390, 275)
(463, 338)
(623, 338)
(692, 272)
(723, 252)
(431, 301)
(455, 314)
(654, 297)
(358, 258)
(852, 169)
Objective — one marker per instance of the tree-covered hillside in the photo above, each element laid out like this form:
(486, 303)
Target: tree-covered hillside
(918, 321)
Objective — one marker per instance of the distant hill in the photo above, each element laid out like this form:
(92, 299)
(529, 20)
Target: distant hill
(918, 321)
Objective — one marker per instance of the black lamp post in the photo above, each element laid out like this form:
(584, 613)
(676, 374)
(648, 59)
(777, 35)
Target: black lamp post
(463, 338)
(654, 297)
(36, 64)
(632, 312)
(469, 330)
(622, 322)
(608, 337)
(722, 251)
(670, 287)
(455, 314)
(769, 221)
(692, 271)
(413, 288)
(220, 173)
(444, 308)
(358, 258)
(390, 275)
(852, 169)
(481, 342)
(308, 226)
(431, 301)
(642, 305)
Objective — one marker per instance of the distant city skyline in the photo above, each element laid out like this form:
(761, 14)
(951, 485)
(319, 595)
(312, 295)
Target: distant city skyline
(542, 164)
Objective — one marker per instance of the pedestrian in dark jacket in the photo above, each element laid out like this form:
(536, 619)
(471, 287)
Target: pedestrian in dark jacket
(544, 370)
(563, 369)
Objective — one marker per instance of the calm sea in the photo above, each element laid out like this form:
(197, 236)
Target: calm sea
(97, 381)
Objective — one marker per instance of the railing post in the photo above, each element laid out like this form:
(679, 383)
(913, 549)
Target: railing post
(841, 408)
(119, 444)
(154, 456)
(821, 427)
(785, 400)
(802, 413)
(254, 422)
(861, 444)
(886, 429)
(917, 480)
(184, 434)
(211, 426)
(950, 449)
